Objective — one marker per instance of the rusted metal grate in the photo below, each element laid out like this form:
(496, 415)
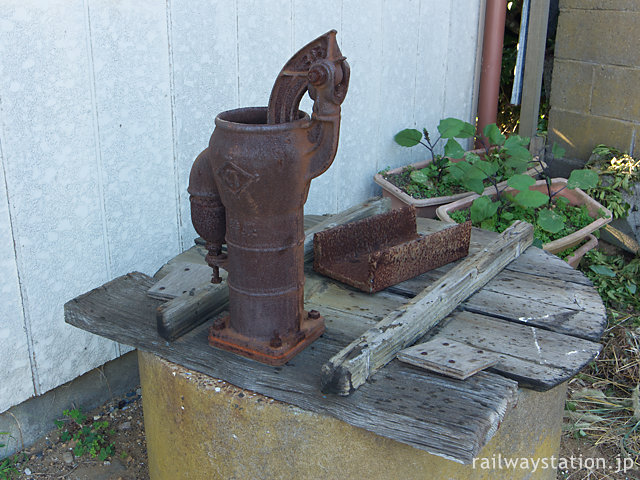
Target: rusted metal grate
(386, 249)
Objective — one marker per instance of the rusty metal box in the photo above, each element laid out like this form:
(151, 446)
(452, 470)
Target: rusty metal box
(386, 249)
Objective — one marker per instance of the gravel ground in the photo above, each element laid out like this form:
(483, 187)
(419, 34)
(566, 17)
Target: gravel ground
(53, 458)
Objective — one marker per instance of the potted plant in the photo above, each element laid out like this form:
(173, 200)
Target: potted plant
(561, 212)
(430, 183)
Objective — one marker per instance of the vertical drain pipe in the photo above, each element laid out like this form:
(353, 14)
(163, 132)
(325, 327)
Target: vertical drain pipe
(495, 14)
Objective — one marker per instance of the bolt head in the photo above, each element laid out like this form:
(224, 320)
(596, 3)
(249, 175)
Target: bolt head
(314, 314)
(218, 324)
(276, 342)
(317, 75)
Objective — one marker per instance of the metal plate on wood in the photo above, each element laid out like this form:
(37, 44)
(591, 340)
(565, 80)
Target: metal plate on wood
(180, 281)
(448, 357)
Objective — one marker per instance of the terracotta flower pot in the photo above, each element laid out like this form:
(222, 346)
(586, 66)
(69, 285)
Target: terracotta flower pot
(426, 207)
(576, 197)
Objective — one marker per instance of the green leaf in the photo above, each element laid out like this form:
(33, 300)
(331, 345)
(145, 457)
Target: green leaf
(471, 157)
(557, 151)
(532, 199)
(482, 208)
(487, 168)
(453, 149)
(550, 221)
(512, 141)
(458, 169)
(474, 185)
(514, 149)
(102, 456)
(454, 128)
(468, 131)
(492, 132)
(420, 177)
(516, 164)
(603, 270)
(519, 153)
(409, 137)
(489, 223)
(537, 242)
(631, 288)
(583, 179)
(520, 182)
(476, 172)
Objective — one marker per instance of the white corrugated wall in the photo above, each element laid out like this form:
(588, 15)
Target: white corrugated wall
(104, 104)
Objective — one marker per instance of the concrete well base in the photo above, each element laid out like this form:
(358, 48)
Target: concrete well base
(198, 427)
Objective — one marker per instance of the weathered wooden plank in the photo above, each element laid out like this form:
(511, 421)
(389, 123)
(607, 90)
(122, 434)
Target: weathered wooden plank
(349, 324)
(551, 290)
(570, 308)
(182, 314)
(535, 357)
(346, 371)
(194, 254)
(350, 317)
(445, 417)
(534, 261)
(312, 220)
(181, 280)
(533, 67)
(582, 315)
(448, 357)
(524, 285)
(546, 265)
(522, 341)
(538, 313)
(344, 298)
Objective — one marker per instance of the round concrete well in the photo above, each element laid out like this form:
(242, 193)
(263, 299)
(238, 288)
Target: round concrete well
(198, 427)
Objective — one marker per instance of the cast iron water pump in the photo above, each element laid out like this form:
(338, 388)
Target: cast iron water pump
(248, 189)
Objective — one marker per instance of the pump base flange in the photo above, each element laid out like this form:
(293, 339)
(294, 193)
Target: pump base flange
(222, 336)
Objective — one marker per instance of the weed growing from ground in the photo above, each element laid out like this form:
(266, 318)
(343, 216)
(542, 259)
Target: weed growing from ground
(8, 465)
(615, 278)
(86, 438)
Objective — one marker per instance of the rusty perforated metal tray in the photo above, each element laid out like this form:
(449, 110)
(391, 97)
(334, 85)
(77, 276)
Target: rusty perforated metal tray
(386, 249)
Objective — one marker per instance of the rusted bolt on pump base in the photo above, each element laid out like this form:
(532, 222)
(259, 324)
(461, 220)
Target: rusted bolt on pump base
(248, 189)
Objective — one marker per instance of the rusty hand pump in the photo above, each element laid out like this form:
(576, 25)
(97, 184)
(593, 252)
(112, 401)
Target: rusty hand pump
(248, 189)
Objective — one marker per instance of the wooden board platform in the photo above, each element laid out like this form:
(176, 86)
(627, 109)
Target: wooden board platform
(443, 416)
(541, 329)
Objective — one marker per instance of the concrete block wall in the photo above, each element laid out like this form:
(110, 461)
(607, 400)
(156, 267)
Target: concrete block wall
(104, 105)
(595, 91)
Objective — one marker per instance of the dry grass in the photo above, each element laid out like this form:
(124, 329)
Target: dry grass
(603, 408)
